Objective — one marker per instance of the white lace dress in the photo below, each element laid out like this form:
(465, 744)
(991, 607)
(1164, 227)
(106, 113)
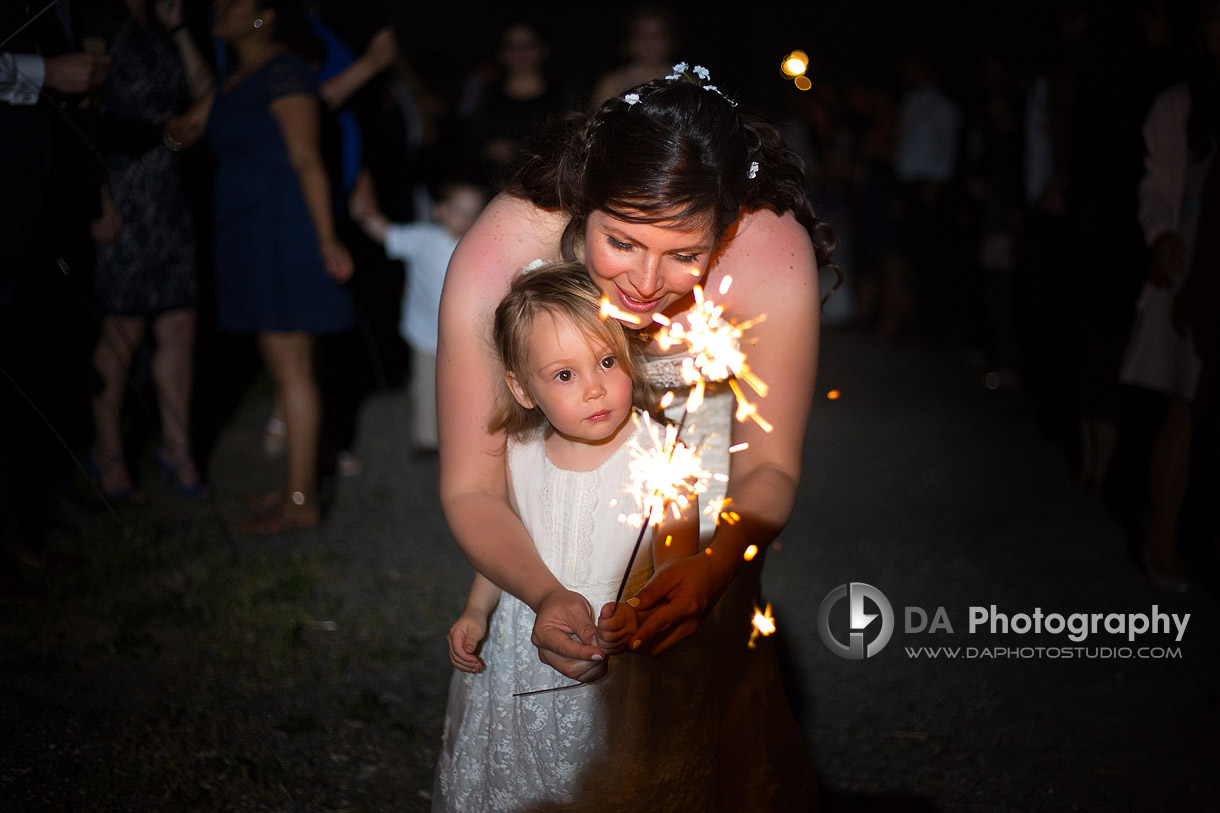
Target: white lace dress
(639, 739)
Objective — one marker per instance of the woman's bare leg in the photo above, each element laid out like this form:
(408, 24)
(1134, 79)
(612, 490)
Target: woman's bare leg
(173, 372)
(289, 358)
(116, 345)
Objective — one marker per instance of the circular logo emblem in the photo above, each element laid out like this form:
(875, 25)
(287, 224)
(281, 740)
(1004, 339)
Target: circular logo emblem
(856, 593)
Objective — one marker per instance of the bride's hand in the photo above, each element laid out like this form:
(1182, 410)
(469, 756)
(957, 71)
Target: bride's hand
(674, 601)
(565, 636)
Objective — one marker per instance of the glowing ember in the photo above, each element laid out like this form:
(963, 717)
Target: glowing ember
(747, 410)
(608, 311)
(751, 552)
(740, 447)
(764, 624)
(833, 395)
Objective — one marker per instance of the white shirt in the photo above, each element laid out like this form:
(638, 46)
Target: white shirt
(21, 77)
(426, 248)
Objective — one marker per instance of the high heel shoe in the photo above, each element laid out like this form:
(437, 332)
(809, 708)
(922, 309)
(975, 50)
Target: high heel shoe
(108, 466)
(177, 467)
(296, 512)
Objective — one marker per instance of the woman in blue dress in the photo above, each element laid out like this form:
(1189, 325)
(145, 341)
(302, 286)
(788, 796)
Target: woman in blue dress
(279, 265)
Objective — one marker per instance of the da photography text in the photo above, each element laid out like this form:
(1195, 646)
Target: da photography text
(865, 622)
(1078, 626)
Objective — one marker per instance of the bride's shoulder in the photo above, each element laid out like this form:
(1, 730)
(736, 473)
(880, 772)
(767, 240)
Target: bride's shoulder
(765, 227)
(522, 221)
(509, 234)
(764, 243)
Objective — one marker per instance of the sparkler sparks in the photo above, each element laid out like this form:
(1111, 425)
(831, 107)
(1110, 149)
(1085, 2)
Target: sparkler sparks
(715, 351)
(764, 624)
(665, 473)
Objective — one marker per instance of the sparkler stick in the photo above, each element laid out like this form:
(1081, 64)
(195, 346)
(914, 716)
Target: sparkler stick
(661, 479)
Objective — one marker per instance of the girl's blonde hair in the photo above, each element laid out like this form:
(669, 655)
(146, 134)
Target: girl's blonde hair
(555, 289)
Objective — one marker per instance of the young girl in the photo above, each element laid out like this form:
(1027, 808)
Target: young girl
(633, 738)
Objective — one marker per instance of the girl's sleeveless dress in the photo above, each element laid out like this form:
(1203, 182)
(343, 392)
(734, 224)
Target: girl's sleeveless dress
(640, 738)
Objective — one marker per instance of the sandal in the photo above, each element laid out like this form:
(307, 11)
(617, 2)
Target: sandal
(177, 467)
(108, 469)
(299, 512)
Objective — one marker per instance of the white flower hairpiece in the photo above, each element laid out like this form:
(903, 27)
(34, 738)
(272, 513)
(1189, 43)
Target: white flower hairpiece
(753, 173)
(632, 98)
(704, 75)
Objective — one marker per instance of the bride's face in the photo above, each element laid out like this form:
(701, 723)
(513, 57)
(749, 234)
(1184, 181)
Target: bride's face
(643, 268)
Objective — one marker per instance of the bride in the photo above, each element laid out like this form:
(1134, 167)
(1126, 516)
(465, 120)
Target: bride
(665, 187)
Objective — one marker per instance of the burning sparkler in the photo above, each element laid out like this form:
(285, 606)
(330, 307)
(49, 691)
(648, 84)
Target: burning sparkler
(715, 345)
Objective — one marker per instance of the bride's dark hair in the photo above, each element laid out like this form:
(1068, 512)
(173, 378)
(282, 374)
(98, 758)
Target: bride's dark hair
(668, 151)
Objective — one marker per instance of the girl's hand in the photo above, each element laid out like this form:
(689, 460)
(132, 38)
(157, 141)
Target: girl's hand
(566, 637)
(465, 636)
(336, 260)
(616, 625)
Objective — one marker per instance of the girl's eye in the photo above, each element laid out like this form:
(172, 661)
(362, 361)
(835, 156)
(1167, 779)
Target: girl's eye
(689, 259)
(608, 362)
(619, 244)
(563, 375)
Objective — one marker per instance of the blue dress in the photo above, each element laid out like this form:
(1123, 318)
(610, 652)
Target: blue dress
(269, 276)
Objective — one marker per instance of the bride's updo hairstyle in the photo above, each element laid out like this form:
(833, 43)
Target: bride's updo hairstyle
(672, 151)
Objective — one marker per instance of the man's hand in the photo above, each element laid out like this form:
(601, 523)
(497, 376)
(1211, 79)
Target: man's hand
(75, 74)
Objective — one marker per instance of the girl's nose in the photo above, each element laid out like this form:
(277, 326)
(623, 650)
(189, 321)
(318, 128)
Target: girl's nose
(594, 390)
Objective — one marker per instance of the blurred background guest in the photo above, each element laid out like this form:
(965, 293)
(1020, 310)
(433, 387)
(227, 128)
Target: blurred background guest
(145, 272)
(649, 46)
(279, 264)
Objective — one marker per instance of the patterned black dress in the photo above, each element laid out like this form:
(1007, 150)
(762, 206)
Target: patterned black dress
(151, 267)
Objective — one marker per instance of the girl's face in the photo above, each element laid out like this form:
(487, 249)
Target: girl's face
(643, 268)
(575, 380)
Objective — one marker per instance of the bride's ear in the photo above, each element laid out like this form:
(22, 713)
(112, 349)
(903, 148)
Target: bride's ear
(520, 393)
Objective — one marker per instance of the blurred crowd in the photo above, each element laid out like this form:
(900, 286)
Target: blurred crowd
(192, 190)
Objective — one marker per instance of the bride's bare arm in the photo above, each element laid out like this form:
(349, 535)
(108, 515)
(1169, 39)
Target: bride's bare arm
(774, 270)
(508, 235)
